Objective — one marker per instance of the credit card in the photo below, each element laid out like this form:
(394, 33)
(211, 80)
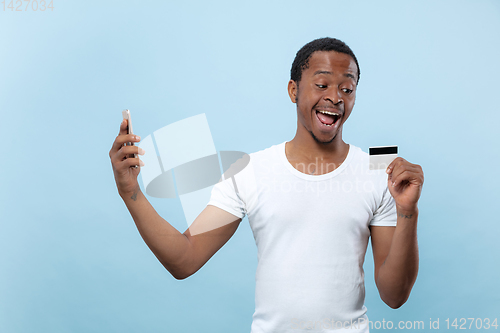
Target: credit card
(381, 157)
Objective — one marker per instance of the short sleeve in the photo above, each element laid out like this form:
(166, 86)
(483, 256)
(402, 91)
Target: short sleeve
(226, 197)
(385, 215)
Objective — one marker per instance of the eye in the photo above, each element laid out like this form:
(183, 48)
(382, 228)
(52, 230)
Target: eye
(321, 86)
(347, 91)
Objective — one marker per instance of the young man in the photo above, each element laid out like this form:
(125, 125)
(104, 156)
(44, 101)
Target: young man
(312, 204)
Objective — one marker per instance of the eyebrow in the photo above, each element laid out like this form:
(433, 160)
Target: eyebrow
(349, 75)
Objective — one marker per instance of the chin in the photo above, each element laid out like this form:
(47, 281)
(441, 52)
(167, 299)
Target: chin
(323, 141)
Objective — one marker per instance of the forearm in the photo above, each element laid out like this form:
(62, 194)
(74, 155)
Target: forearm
(169, 245)
(398, 273)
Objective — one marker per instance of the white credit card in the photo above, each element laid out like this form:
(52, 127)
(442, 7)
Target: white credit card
(381, 157)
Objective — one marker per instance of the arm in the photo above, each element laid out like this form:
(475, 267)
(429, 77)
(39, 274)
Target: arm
(395, 253)
(395, 249)
(181, 254)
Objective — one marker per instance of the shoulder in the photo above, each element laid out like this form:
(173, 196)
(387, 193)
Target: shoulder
(267, 157)
(246, 163)
(267, 153)
(359, 156)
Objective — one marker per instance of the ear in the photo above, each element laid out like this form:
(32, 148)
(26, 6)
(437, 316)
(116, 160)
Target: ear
(292, 90)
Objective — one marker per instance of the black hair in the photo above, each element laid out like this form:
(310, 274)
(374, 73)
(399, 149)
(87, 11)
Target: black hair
(302, 57)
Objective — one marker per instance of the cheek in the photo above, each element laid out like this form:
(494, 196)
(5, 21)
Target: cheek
(304, 113)
(350, 104)
(346, 115)
(305, 102)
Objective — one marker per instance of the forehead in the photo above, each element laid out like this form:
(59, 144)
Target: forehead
(331, 61)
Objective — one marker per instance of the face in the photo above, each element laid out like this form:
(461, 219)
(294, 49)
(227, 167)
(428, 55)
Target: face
(325, 95)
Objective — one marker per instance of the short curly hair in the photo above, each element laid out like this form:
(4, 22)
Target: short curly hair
(302, 57)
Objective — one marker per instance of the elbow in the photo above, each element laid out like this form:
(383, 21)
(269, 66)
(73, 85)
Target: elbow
(396, 301)
(180, 269)
(396, 294)
(179, 274)
(395, 304)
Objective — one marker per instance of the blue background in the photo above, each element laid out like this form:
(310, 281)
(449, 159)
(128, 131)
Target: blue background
(71, 259)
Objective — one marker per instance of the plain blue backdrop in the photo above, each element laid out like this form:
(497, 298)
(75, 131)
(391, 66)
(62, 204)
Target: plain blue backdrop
(71, 259)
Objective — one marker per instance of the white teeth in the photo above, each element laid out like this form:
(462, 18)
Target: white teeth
(329, 113)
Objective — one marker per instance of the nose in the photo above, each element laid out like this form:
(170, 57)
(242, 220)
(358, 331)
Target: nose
(333, 95)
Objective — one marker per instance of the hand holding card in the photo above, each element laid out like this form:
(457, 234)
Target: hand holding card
(405, 182)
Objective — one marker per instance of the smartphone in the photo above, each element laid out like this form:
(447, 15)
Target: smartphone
(126, 115)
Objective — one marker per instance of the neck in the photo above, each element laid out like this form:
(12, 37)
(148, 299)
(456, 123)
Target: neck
(304, 147)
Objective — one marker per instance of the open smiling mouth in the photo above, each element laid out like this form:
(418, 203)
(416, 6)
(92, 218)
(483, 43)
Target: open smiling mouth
(328, 118)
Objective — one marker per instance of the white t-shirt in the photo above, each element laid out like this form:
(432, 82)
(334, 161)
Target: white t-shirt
(311, 234)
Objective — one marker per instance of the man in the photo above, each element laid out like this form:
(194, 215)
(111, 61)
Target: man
(312, 204)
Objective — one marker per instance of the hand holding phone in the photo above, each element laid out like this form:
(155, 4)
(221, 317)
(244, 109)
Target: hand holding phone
(124, 158)
(126, 115)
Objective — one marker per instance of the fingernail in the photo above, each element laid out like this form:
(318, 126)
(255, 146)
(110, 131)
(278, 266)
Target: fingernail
(141, 163)
(141, 151)
(393, 184)
(138, 138)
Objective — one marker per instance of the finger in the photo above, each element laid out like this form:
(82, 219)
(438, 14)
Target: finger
(400, 168)
(127, 163)
(123, 127)
(131, 151)
(123, 139)
(394, 163)
(402, 165)
(133, 162)
(397, 169)
(407, 176)
(127, 152)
